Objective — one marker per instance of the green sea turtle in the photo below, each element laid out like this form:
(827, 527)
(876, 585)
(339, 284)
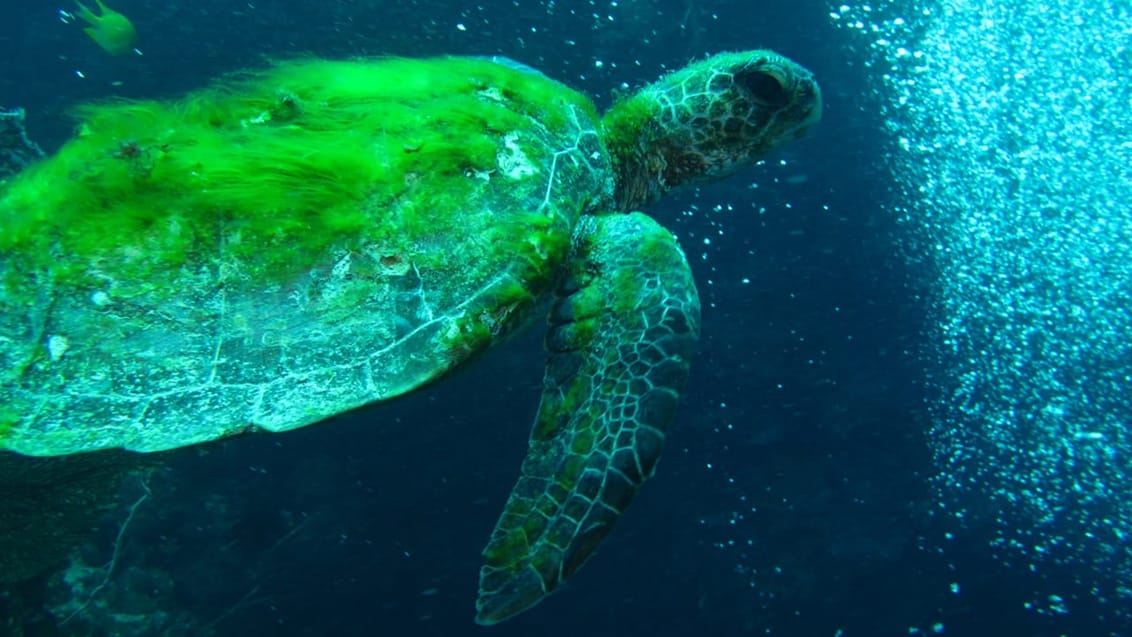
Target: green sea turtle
(296, 242)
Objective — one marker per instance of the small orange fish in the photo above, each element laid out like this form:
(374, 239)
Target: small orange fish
(111, 30)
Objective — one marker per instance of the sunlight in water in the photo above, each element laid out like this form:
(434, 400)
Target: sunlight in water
(1008, 122)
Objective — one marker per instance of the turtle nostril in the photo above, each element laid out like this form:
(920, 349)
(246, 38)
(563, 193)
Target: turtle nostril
(764, 88)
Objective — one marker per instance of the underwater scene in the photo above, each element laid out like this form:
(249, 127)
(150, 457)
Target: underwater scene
(373, 318)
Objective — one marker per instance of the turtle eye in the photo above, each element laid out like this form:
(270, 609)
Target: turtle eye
(764, 88)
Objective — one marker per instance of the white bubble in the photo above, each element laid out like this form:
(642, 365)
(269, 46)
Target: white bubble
(1031, 310)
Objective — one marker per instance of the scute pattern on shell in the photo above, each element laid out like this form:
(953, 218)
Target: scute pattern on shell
(205, 350)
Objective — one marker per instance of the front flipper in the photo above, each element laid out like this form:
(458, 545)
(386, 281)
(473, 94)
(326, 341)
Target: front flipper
(622, 331)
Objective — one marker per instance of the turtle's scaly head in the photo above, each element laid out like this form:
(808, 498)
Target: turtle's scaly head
(706, 121)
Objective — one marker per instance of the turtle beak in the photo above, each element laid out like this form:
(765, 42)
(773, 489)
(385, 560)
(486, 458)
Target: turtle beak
(809, 104)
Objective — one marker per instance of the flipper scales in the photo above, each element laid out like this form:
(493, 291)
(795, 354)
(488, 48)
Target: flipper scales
(621, 333)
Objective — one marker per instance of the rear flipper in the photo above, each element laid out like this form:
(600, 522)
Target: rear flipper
(622, 331)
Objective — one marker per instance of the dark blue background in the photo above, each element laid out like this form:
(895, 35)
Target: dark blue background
(815, 364)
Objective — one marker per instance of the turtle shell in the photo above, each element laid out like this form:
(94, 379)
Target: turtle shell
(282, 247)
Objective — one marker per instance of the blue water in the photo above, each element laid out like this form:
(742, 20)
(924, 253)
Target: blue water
(896, 423)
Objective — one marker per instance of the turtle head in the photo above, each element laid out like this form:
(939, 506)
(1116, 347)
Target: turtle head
(706, 121)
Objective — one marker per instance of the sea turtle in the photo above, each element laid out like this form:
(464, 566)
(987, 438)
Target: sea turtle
(292, 243)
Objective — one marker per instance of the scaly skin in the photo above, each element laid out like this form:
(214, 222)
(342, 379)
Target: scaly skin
(626, 319)
(622, 331)
(324, 235)
(706, 121)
